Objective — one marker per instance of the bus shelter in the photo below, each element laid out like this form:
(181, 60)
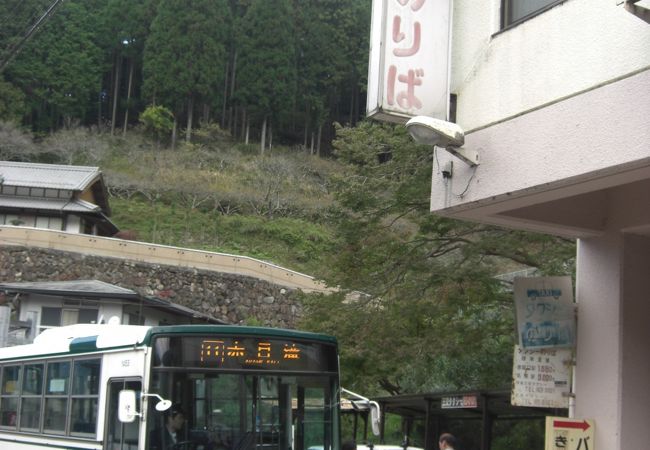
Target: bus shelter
(425, 416)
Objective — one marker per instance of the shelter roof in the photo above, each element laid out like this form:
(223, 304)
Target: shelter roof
(461, 405)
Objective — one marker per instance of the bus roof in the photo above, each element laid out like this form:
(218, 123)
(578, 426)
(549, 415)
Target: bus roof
(82, 338)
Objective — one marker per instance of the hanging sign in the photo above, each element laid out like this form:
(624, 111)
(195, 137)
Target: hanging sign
(408, 70)
(541, 378)
(545, 312)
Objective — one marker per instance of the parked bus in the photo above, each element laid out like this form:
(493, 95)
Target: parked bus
(116, 387)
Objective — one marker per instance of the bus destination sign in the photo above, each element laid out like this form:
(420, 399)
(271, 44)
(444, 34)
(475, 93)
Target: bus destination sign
(244, 352)
(217, 351)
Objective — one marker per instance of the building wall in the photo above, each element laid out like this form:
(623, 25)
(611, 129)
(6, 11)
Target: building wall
(570, 48)
(232, 298)
(558, 109)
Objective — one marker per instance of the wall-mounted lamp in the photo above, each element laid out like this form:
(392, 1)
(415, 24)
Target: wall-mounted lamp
(430, 131)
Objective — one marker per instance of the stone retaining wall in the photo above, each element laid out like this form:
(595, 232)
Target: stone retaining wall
(233, 298)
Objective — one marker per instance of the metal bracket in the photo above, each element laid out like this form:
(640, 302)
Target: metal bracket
(468, 156)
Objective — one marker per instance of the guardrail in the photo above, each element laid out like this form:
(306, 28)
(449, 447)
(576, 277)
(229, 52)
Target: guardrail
(159, 254)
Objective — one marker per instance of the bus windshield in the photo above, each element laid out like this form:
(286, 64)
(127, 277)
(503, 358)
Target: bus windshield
(243, 394)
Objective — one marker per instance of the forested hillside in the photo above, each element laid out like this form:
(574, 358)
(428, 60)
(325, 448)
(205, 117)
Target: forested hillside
(272, 71)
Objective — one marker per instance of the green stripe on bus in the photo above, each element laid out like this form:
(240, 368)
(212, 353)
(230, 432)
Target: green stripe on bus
(236, 331)
(83, 344)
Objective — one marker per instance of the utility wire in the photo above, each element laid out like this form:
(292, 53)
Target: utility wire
(18, 46)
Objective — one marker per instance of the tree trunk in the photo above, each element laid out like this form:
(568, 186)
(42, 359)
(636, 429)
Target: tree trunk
(225, 96)
(116, 89)
(351, 117)
(190, 115)
(320, 134)
(248, 129)
(99, 113)
(235, 116)
(311, 150)
(206, 113)
(244, 128)
(263, 137)
(174, 129)
(305, 136)
(233, 77)
(128, 96)
(270, 134)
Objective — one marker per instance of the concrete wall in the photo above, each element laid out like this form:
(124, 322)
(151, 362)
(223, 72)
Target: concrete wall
(230, 297)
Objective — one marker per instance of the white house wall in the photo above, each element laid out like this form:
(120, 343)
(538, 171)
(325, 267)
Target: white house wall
(73, 224)
(570, 48)
(554, 107)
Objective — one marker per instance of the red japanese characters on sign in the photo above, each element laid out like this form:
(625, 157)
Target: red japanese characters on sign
(409, 59)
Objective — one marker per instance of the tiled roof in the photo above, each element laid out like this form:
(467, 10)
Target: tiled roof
(52, 176)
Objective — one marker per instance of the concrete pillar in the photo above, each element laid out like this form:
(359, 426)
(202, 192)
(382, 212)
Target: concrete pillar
(5, 319)
(635, 327)
(613, 368)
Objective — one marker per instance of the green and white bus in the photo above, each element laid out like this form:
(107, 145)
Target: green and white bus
(114, 387)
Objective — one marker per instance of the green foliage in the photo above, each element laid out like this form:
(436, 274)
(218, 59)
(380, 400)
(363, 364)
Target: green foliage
(157, 120)
(431, 314)
(300, 64)
(267, 58)
(12, 102)
(59, 68)
(185, 53)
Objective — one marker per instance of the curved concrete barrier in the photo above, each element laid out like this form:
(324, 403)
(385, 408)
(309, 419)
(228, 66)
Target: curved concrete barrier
(159, 254)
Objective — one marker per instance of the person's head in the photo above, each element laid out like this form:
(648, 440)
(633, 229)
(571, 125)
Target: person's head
(446, 441)
(175, 418)
(349, 445)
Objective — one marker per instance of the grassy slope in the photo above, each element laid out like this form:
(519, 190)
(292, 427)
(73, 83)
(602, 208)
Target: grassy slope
(293, 243)
(224, 197)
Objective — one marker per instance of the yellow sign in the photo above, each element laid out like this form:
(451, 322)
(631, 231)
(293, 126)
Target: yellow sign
(569, 434)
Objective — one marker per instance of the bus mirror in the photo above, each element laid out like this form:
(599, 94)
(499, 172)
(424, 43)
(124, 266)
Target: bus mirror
(375, 417)
(162, 405)
(126, 411)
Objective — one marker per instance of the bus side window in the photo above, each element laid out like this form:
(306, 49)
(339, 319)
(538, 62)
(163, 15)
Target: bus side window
(31, 397)
(85, 396)
(56, 397)
(9, 396)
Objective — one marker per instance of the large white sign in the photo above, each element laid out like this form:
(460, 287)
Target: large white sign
(408, 71)
(545, 312)
(541, 378)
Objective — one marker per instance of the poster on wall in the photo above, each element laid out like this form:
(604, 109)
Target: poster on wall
(541, 378)
(408, 69)
(563, 433)
(545, 310)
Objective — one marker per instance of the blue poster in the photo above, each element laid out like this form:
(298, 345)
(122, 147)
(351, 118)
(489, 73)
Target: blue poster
(546, 314)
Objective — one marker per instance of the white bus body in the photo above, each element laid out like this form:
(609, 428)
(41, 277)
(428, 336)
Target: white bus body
(239, 388)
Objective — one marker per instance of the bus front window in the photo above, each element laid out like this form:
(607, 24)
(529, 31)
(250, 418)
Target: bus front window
(236, 411)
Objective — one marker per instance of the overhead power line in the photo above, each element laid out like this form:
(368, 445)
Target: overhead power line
(19, 45)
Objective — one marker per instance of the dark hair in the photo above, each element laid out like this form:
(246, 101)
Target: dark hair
(449, 439)
(175, 410)
(349, 445)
